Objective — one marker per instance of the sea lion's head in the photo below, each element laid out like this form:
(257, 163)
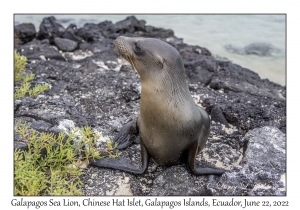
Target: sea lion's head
(149, 56)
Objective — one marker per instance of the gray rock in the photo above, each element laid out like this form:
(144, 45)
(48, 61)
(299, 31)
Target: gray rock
(41, 125)
(259, 49)
(19, 142)
(173, 40)
(106, 182)
(65, 45)
(20, 145)
(175, 181)
(262, 169)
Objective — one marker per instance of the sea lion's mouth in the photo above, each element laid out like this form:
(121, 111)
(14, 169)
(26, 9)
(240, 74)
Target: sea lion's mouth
(122, 48)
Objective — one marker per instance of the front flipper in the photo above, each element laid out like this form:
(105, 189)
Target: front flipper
(123, 163)
(201, 170)
(123, 138)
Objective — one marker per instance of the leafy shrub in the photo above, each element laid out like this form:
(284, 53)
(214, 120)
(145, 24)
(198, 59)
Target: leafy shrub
(50, 166)
(22, 80)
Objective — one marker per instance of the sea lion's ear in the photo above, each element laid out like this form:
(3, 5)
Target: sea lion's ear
(137, 47)
(160, 61)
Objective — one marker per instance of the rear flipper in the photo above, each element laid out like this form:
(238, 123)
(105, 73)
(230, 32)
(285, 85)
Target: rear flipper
(124, 136)
(207, 169)
(198, 170)
(123, 163)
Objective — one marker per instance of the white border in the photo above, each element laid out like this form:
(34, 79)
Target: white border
(153, 6)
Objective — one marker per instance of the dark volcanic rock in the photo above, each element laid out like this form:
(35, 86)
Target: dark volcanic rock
(232, 77)
(37, 49)
(91, 32)
(200, 69)
(129, 25)
(156, 32)
(189, 53)
(103, 45)
(65, 45)
(218, 116)
(248, 112)
(50, 28)
(24, 33)
(92, 86)
(70, 33)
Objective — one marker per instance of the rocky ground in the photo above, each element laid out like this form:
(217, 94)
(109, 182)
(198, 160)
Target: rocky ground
(92, 86)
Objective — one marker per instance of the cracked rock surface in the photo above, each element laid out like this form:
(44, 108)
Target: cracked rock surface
(261, 170)
(92, 86)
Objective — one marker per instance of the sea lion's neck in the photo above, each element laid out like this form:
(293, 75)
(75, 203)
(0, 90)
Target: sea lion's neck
(166, 104)
(172, 89)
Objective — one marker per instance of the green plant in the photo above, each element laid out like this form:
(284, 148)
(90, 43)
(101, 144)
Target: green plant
(21, 79)
(110, 149)
(50, 166)
(39, 88)
(86, 138)
(20, 92)
(19, 66)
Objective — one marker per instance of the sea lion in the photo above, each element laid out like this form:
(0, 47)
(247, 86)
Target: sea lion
(171, 126)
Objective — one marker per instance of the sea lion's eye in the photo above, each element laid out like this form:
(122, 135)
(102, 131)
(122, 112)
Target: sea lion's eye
(137, 47)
